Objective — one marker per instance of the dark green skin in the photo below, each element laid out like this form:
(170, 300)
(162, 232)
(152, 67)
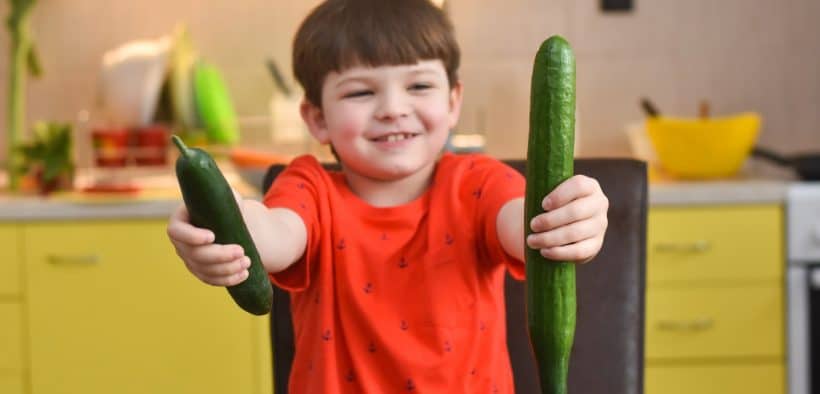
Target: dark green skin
(550, 284)
(211, 205)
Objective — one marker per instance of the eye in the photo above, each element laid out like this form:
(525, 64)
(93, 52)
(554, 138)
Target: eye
(420, 86)
(358, 93)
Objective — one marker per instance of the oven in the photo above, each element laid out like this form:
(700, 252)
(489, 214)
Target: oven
(803, 287)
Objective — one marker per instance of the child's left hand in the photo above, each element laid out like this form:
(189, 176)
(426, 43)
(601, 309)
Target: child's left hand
(573, 226)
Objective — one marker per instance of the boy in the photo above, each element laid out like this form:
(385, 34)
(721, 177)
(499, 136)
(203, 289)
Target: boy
(395, 263)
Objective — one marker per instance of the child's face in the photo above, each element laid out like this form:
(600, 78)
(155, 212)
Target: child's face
(386, 122)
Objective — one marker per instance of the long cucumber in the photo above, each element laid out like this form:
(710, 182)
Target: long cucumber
(211, 205)
(550, 284)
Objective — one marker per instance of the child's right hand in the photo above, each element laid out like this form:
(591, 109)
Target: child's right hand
(214, 264)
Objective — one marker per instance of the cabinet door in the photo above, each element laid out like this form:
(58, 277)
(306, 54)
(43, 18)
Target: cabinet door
(715, 323)
(716, 379)
(113, 310)
(9, 261)
(719, 244)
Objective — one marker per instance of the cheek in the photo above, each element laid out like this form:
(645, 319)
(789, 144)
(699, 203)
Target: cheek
(436, 115)
(345, 122)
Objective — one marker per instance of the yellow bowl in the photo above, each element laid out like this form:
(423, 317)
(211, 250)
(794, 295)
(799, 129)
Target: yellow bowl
(703, 148)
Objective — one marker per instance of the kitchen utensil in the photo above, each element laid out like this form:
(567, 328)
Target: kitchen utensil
(130, 81)
(180, 80)
(807, 166)
(701, 148)
(278, 79)
(214, 105)
(649, 108)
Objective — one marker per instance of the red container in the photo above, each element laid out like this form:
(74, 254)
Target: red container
(110, 146)
(151, 145)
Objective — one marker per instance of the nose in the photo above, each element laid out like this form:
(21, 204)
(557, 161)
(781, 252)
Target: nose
(393, 104)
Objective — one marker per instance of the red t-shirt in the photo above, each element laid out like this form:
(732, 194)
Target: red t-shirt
(400, 299)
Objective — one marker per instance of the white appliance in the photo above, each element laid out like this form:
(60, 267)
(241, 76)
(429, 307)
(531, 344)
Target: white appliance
(803, 287)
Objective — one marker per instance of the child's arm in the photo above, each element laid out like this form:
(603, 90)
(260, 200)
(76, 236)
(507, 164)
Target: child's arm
(279, 234)
(571, 228)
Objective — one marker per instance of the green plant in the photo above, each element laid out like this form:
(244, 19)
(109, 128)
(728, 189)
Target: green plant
(48, 156)
(23, 59)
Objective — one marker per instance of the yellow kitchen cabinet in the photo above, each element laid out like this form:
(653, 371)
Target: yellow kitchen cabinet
(12, 369)
(717, 243)
(715, 317)
(112, 309)
(730, 322)
(716, 379)
(9, 262)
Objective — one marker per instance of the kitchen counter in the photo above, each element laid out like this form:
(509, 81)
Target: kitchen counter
(748, 191)
(160, 196)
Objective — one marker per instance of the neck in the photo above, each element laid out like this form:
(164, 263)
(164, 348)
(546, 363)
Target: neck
(389, 193)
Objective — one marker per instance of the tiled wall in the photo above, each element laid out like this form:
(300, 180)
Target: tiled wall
(757, 55)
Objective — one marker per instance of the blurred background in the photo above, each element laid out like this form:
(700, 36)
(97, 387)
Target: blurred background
(739, 55)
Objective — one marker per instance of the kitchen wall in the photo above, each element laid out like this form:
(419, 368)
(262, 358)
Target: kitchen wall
(755, 55)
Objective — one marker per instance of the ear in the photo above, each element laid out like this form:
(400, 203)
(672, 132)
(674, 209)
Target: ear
(455, 103)
(315, 120)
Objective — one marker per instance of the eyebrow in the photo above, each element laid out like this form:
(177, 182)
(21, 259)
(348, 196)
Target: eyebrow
(357, 78)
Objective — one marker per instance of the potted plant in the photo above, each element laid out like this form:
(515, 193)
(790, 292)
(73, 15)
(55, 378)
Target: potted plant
(22, 61)
(47, 159)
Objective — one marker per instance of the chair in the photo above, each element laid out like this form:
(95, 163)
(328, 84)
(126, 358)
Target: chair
(607, 356)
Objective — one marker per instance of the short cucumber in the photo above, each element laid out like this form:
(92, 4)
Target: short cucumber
(550, 284)
(211, 205)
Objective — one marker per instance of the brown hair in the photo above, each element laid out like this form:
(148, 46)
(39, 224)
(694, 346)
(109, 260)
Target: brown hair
(339, 34)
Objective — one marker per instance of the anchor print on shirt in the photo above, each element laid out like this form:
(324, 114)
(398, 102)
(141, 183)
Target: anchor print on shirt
(448, 239)
(368, 288)
(341, 245)
(410, 386)
(326, 336)
(403, 263)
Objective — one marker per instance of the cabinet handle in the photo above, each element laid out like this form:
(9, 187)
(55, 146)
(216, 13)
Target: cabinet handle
(702, 324)
(87, 259)
(700, 246)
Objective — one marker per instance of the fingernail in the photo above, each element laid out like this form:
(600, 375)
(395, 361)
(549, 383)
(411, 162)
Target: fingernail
(246, 262)
(547, 203)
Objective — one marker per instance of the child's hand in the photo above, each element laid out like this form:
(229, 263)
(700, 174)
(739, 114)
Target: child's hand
(218, 265)
(573, 226)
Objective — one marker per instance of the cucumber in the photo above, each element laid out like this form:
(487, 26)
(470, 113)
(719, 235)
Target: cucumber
(550, 284)
(211, 205)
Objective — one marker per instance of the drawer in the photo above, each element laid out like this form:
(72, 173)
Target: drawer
(698, 323)
(716, 379)
(9, 260)
(11, 384)
(11, 338)
(717, 243)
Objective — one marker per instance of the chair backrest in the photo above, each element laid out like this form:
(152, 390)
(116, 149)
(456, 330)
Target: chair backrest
(607, 356)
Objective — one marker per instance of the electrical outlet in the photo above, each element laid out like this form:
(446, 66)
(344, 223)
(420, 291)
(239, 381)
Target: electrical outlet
(616, 5)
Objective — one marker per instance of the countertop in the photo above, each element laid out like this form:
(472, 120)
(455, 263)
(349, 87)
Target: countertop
(159, 196)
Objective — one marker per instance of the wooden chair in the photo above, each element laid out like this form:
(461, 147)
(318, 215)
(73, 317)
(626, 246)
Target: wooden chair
(608, 352)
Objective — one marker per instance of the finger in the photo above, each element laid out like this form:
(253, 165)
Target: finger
(226, 269)
(573, 232)
(573, 188)
(230, 280)
(579, 252)
(580, 209)
(180, 230)
(215, 254)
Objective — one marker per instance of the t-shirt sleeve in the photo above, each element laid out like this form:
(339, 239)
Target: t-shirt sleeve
(497, 184)
(299, 188)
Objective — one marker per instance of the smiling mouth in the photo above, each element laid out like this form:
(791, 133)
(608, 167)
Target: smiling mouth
(394, 137)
